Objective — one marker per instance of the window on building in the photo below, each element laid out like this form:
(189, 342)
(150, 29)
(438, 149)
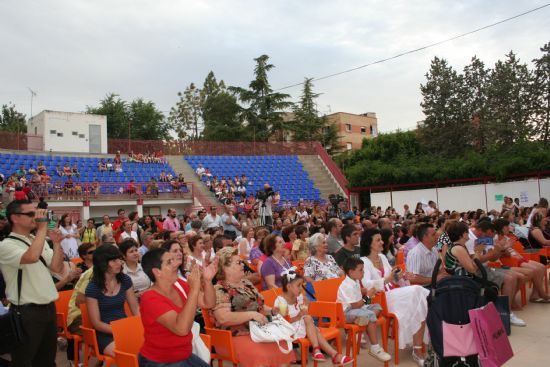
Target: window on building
(60, 135)
(363, 130)
(35, 130)
(348, 146)
(348, 128)
(53, 132)
(81, 136)
(371, 130)
(75, 133)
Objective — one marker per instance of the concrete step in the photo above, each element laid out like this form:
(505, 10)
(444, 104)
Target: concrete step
(203, 197)
(320, 175)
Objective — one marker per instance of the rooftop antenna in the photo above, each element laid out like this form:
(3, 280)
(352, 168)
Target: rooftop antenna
(33, 94)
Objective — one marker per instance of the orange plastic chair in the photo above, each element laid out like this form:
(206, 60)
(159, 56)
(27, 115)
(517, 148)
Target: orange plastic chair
(222, 340)
(322, 310)
(510, 262)
(62, 311)
(299, 264)
(316, 309)
(327, 291)
(128, 336)
(270, 295)
(400, 257)
(380, 299)
(89, 341)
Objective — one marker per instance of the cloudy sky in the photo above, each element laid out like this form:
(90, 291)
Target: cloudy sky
(74, 52)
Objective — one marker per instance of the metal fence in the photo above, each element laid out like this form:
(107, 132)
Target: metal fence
(86, 191)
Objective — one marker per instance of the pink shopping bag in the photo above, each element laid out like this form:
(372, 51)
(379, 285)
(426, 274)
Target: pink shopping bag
(492, 343)
(458, 340)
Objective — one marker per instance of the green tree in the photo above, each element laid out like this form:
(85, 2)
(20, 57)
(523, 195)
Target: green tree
(263, 112)
(147, 122)
(510, 102)
(541, 91)
(446, 120)
(221, 114)
(211, 87)
(475, 103)
(307, 125)
(186, 116)
(139, 119)
(12, 120)
(116, 111)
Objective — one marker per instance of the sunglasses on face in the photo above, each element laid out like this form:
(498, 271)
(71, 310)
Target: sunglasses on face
(28, 214)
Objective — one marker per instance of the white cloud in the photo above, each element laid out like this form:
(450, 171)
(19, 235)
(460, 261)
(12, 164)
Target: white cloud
(74, 52)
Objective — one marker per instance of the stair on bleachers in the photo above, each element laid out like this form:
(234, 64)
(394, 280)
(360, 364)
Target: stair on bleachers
(318, 172)
(205, 198)
(284, 173)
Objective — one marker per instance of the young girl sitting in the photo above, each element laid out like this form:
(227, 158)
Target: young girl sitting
(294, 305)
(355, 300)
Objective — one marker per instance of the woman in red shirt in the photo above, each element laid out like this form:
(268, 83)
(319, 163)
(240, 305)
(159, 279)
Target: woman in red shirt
(168, 310)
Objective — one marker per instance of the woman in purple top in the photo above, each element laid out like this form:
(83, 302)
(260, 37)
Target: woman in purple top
(275, 263)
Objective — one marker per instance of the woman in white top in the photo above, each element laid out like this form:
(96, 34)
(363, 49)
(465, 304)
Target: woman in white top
(408, 302)
(207, 245)
(247, 242)
(128, 233)
(132, 267)
(196, 246)
(70, 235)
(320, 265)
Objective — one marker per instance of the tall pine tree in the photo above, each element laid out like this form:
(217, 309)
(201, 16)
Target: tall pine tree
(442, 131)
(510, 101)
(541, 91)
(263, 109)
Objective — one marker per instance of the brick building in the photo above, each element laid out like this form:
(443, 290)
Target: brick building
(354, 128)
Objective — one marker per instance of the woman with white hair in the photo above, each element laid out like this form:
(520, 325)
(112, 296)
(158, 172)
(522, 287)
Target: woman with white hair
(320, 265)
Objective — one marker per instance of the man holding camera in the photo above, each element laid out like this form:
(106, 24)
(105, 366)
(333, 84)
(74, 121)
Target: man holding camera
(31, 254)
(264, 199)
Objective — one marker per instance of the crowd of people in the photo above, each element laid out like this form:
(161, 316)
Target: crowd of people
(218, 259)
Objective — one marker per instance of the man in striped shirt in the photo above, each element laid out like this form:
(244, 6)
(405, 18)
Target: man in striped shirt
(422, 258)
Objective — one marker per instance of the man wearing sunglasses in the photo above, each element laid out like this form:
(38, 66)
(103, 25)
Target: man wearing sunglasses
(32, 254)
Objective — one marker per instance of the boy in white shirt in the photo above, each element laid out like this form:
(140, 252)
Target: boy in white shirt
(357, 307)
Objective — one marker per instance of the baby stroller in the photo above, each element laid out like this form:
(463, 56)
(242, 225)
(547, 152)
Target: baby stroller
(449, 301)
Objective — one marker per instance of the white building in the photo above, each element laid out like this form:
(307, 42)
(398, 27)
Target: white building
(70, 131)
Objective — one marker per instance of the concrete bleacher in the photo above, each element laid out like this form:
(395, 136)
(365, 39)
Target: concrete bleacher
(284, 173)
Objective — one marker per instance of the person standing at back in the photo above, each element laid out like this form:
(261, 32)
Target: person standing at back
(31, 254)
(171, 223)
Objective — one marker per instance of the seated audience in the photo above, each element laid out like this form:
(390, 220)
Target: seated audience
(407, 302)
(132, 267)
(237, 303)
(320, 265)
(354, 299)
(273, 266)
(106, 294)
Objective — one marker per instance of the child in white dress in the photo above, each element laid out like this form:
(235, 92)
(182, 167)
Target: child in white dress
(293, 304)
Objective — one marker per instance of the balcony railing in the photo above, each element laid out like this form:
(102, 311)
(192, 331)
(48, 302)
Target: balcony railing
(92, 191)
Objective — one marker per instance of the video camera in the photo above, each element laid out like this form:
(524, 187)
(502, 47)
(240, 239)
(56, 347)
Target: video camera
(335, 200)
(262, 195)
